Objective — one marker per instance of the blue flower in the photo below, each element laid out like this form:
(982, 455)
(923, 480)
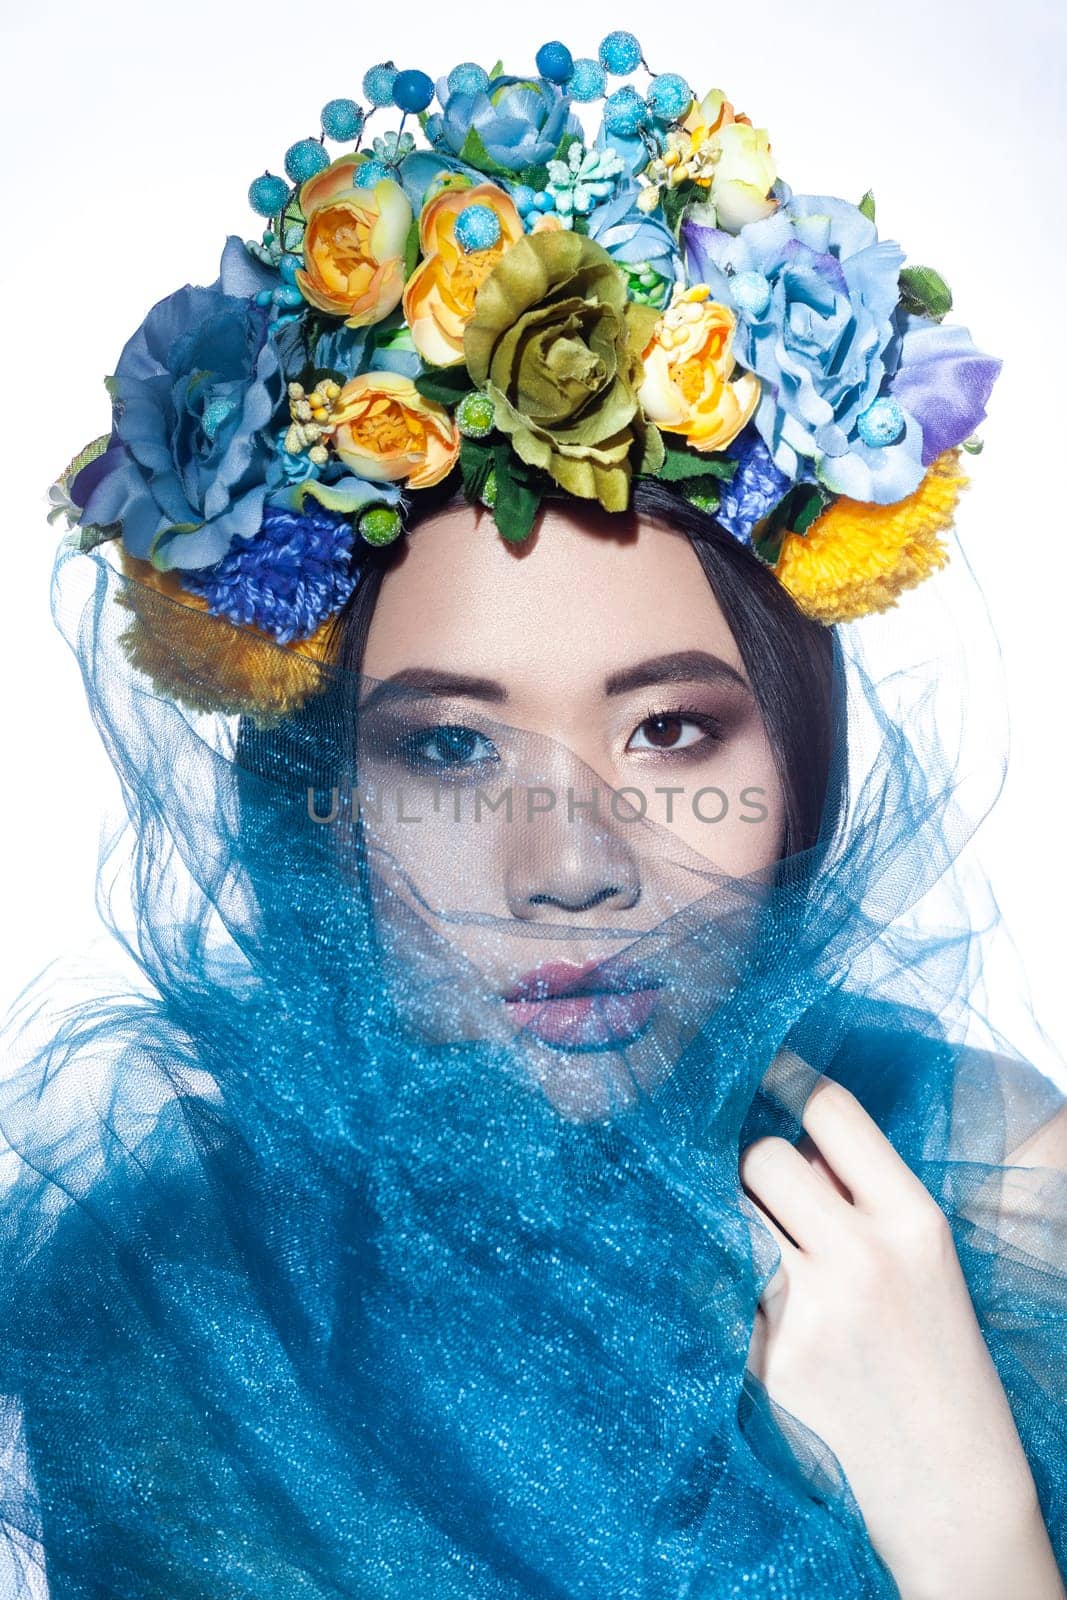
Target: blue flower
(195, 390)
(633, 238)
(515, 122)
(755, 488)
(295, 573)
(815, 292)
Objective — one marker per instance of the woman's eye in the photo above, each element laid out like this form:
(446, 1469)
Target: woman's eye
(671, 730)
(449, 745)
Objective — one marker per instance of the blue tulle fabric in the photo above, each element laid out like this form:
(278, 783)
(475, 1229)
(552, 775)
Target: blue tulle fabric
(321, 1278)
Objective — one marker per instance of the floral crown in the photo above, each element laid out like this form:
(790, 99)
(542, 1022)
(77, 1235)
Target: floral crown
(540, 313)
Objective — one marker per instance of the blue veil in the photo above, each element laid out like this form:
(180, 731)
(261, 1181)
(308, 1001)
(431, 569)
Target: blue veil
(327, 1275)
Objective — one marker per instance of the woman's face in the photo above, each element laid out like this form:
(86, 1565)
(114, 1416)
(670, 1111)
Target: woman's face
(587, 682)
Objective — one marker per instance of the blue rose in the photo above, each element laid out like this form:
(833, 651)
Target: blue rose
(632, 237)
(815, 292)
(515, 122)
(195, 392)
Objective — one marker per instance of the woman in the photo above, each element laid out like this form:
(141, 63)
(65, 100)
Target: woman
(547, 1162)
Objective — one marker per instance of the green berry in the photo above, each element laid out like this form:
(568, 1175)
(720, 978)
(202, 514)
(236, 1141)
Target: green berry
(475, 415)
(488, 495)
(380, 525)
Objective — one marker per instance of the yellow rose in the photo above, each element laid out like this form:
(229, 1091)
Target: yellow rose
(354, 240)
(740, 169)
(719, 150)
(383, 429)
(439, 295)
(688, 385)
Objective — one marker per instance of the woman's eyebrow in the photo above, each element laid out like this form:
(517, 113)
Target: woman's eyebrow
(419, 681)
(681, 666)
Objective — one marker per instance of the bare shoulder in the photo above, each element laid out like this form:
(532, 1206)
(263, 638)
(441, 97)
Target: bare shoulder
(1046, 1146)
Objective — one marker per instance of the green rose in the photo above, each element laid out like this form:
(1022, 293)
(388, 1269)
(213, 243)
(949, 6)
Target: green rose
(557, 344)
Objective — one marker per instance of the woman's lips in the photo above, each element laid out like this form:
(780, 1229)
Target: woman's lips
(582, 1006)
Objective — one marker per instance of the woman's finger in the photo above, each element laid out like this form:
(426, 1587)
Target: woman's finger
(802, 1203)
(857, 1151)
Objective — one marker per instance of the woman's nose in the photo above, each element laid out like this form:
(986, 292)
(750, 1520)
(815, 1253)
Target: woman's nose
(570, 864)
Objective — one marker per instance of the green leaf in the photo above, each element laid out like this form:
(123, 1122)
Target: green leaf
(475, 460)
(446, 385)
(925, 292)
(867, 205)
(681, 464)
(653, 452)
(517, 494)
(536, 177)
(89, 535)
(497, 71)
(973, 446)
(111, 384)
(672, 204)
(411, 248)
(794, 513)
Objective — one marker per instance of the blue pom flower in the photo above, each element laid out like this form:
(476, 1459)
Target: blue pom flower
(468, 78)
(476, 227)
(586, 82)
(287, 579)
(755, 488)
(378, 83)
(882, 423)
(668, 96)
(304, 159)
(619, 53)
(624, 112)
(267, 195)
(342, 120)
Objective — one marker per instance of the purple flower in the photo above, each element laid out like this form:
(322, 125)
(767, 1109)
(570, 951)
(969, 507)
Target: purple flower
(755, 488)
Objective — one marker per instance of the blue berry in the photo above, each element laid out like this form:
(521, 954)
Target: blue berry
(267, 195)
(468, 78)
(524, 198)
(624, 112)
(477, 227)
(619, 53)
(378, 83)
(669, 96)
(304, 159)
(587, 79)
(370, 172)
(750, 292)
(342, 120)
(555, 62)
(544, 200)
(413, 90)
(882, 423)
(287, 267)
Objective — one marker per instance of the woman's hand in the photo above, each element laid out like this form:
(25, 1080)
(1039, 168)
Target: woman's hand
(866, 1333)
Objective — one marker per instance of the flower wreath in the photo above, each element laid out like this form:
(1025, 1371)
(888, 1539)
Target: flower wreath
(543, 315)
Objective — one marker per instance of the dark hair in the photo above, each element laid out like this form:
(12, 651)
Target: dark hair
(792, 662)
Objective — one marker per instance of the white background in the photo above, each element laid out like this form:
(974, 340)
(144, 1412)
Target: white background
(131, 134)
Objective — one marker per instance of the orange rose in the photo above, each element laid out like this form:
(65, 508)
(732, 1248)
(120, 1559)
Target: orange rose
(688, 384)
(439, 296)
(354, 241)
(383, 429)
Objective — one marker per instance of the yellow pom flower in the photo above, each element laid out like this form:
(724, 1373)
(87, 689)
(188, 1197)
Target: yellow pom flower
(857, 558)
(207, 663)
